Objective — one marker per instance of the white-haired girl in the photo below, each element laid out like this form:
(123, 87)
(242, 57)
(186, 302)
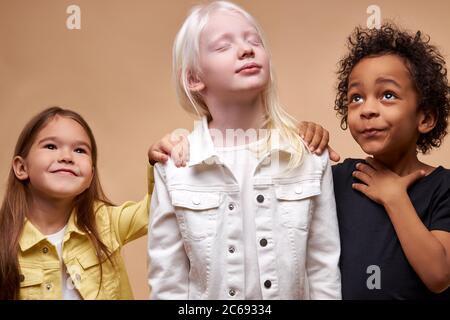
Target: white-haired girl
(252, 215)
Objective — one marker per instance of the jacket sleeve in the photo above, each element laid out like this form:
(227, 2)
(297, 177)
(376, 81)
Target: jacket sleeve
(323, 242)
(130, 220)
(168, 261)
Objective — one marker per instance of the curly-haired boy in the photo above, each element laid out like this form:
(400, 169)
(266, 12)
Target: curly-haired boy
(393, 209)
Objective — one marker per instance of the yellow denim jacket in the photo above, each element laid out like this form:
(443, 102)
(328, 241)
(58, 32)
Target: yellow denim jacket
(40, 276)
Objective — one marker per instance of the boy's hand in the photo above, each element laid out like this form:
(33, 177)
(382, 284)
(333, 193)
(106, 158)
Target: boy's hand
(171, 145)
(381, 184)
(317, 138)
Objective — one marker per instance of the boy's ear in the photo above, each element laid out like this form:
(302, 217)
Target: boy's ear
(427, 122)
(20, 168)
(194, 82)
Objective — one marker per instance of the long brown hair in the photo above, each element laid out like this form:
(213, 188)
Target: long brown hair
(15, 204)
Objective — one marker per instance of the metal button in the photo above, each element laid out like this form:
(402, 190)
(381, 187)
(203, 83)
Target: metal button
(45, 250)
(263, 242)
(21, 278)
(48, 286)
(231, 249)
(232, 292)
(267, 284)
(196, 200)
(231, 206)
(260, 198)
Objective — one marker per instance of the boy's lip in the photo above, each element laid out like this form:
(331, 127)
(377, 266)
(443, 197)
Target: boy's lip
(371, 132)
(249, 66)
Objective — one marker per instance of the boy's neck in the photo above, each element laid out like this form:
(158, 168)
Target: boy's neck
(49, 215)
(404, 163)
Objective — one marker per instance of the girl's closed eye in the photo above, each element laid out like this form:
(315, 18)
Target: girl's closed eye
(254, 40)
(222, 46)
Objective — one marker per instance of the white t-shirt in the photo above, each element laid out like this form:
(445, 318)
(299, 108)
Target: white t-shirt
(242, 161)
(69, 292)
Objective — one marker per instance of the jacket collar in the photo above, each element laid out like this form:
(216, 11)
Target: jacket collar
(202, 147)
(32, 236)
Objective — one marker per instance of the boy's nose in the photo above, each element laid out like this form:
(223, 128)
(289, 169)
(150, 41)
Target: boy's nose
(369, 110)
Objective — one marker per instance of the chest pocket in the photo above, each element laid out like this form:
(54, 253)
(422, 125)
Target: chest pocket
(85, 273)
(295, 202)
(31, 280)
(197, 212)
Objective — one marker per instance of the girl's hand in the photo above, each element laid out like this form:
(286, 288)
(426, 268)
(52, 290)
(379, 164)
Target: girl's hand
(317, 138)
(171, 145)
(381, 184)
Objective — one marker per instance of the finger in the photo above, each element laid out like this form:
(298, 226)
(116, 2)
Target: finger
(150, 156)
(175, 137)
(317, 138)
(302, 129)
(416, 175)
(155, 157)
(185, 147)
(366, 169)
(183, 151)
(360, 187)
(152, 151)
(188, 151)
(324, 142)
(361, 176)
(309, 134)
(164, 146)
(176, 159)
(176, 155)
(334, 156)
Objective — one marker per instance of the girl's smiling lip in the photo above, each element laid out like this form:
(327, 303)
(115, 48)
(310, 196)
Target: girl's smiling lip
(65, 171)
(251, 67)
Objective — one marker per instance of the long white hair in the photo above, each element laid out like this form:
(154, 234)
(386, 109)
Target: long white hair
(186, 54)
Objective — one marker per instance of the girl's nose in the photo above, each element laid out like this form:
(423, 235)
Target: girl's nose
(246, 50)
(65, 156)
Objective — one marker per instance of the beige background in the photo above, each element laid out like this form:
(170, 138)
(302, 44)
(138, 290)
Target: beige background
(116, 71)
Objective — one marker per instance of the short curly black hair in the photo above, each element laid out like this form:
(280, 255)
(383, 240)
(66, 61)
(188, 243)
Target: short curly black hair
(425, 63)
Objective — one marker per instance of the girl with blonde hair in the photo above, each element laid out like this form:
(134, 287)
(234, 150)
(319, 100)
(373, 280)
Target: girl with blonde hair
(252, 215)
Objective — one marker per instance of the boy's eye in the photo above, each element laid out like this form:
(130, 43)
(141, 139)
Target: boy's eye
(389, 96)
(50, 146)
(356, 98)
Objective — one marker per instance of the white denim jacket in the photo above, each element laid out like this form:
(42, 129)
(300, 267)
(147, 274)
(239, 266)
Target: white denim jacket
(195, 234)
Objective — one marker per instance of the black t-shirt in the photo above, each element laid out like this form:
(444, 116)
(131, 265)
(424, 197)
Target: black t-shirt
(371, 255)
